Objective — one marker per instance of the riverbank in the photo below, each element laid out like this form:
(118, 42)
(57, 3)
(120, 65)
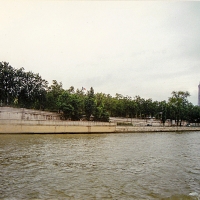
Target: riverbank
(51, 127)
(20, 120)
(130, 129)
(56, 127)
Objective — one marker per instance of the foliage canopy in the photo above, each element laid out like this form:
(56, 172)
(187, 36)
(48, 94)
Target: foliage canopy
(27, 89)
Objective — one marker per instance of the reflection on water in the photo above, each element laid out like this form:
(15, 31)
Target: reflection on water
(100, 166)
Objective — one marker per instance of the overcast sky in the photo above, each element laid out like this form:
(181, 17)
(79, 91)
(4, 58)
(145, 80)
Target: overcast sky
(128, 47)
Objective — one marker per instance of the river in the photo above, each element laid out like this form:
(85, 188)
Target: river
(100, 166)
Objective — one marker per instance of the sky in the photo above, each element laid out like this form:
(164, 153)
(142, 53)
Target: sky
(145, 48)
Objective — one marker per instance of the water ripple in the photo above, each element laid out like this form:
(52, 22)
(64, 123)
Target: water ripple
(100, 166)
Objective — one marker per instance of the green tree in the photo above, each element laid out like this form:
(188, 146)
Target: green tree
(109, 104)
(100, 112)
(178, 103)
(162, 111)
(77, 104)
(64, 104)
(139, 106)
(90, 104)
(53, 93)
(71, 89)
(7, 83)
(70, 105)
(19, 87)
(193, 114)
(31, 89)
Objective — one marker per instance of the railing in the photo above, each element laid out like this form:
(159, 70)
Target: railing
(57, 123)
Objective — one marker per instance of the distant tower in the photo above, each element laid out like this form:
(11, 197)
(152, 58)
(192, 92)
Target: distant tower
(199, 95)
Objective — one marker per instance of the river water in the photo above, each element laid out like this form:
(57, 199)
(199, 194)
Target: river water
(100, 166)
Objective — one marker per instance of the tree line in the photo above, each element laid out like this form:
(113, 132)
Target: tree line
(19, 88)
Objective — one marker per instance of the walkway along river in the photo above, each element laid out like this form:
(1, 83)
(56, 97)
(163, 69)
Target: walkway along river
(162, 165)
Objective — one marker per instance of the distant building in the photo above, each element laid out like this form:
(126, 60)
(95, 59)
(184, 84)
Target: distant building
(199, 95)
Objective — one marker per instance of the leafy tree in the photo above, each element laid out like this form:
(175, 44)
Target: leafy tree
(32, 90)
(53, 93)
(108, 104)
(178, 102)
(71, 89)
(63, 104)
(193, 114)
(70, 105)
(77, 104)
(120, 108)
(127, 106)
(19, 87)
(163, 111)
(7, 82)
(147, 105)
(140, 106)
(27, 89)
(105, 117)
(100, 113)
(90, 104)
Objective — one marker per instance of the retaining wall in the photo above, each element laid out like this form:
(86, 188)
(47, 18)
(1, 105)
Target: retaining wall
(20, 120)
(22, 126)
(26, 114)
(125, 129)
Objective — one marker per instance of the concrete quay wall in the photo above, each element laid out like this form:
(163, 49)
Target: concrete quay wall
(37, 127)
(20, 120)
(20, 126)
(26, 114)
(125, 129)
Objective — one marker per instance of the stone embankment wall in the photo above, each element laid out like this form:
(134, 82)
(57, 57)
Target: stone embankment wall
(9, 113)
(16, 126)
(14, 120)
(132, 129)
(143, 122)
(136, 122)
